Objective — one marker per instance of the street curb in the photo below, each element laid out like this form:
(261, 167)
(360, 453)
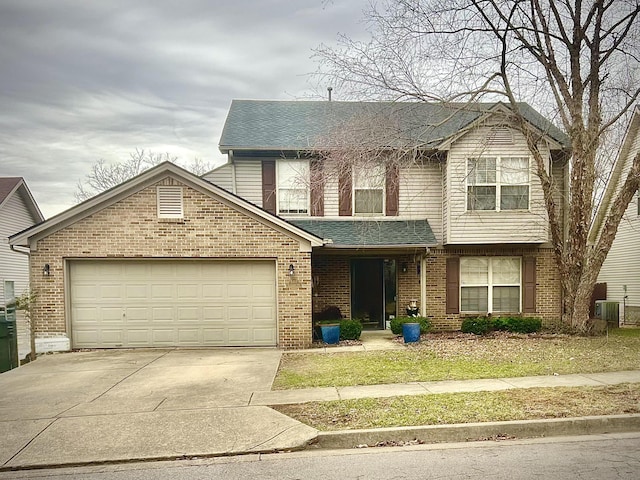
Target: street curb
(464, 432)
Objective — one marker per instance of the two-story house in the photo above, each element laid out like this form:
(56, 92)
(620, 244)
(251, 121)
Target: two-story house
(455, 222)
(367, 207)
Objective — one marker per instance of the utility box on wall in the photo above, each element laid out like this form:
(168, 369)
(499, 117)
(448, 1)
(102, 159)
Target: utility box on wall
(608, 311)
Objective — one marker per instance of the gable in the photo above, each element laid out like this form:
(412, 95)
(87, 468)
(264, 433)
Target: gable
(139, 212)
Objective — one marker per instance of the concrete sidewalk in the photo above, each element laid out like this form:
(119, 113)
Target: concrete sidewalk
(284, 397)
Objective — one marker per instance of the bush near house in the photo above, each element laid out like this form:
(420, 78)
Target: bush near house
(350, 329)
(484, 325)
(396, 324)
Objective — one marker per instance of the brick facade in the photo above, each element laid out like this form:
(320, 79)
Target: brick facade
(334, 283)
(548, 288)
(210, 229)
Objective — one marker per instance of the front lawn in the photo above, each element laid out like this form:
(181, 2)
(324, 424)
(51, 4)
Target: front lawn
(519, 404)
(464, 357)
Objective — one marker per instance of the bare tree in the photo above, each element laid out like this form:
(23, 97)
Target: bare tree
(577, 61)
(104, 176)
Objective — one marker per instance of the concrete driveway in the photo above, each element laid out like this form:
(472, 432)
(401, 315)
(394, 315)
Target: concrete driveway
(113, 405)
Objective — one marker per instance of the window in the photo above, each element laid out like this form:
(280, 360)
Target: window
(368, 189)
(498, 183)
(169, 201)
(293, 186)
(490, 284)
(9, 292)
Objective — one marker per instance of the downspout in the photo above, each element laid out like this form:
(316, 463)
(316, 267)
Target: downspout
(13, 248)
(423, 284)
(233, 173)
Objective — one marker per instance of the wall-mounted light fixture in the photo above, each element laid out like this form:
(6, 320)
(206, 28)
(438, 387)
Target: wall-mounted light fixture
(405, 267)
(46, 270)
(292, 270)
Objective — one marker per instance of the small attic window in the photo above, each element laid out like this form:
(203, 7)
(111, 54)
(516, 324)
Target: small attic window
(500, 136)
(170, 202)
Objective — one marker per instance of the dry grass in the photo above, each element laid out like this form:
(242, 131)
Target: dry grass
(524, 404)
(461, 357)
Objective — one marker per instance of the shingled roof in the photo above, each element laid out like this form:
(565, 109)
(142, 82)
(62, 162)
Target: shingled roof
(304, 125)
(370, 233)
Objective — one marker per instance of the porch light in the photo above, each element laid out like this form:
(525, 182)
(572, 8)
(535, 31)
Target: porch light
(292, 270)
(46, 270)
(405, 268)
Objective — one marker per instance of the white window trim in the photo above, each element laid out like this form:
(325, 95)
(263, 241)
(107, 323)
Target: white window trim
(353, 194)
(302, 187)
(490, 286)
(175, 208)
(498, 183)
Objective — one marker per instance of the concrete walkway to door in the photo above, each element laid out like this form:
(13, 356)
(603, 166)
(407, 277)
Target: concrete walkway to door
(115, 405)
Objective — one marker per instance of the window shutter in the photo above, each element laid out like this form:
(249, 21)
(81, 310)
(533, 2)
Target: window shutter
(529, 285)
(453, 285)
(317, 188)
(269, 185)
(392, 189)
(169, 201)
(345, 187)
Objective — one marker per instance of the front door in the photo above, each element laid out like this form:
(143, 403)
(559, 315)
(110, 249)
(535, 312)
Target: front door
(373, 291)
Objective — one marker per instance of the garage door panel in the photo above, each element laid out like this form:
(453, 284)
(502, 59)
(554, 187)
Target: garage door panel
(162, 291)
(173, 303)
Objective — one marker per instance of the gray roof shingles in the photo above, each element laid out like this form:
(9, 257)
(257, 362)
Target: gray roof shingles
(370, 233)
(306, 125)
(7, 184)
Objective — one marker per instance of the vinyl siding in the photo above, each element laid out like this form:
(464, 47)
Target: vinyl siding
(622, 265)
(248, 172)
(490, 227)
(15, 217)
(222, 176)
(421, 194)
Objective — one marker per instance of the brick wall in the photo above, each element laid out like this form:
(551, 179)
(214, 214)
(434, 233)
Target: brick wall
(548, 290)
(334, 282)
(210, 229)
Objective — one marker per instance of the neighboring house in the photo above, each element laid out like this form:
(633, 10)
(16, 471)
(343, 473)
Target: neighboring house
(18, 211)
(249, 253)
(621, 269)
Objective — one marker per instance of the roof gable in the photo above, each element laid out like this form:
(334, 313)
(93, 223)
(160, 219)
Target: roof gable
(10, 186)
(308, 125)
(149, 177)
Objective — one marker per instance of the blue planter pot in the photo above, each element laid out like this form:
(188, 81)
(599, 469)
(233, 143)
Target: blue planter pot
(411, 332)
(330, 334)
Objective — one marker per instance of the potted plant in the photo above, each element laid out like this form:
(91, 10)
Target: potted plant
(330, 330)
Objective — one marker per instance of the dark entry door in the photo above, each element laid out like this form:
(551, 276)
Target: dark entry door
(367, 291)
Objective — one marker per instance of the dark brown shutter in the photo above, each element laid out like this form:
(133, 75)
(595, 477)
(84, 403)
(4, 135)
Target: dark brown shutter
(529, 285)
(453, 285)
(344, 194)
(269, 185)
(317, 188)
(392, 190)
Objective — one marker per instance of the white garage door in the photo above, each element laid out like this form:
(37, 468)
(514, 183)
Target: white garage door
(155, 303)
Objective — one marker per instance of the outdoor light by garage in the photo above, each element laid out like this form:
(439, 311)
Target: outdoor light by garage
(292, 270)
(46, 270)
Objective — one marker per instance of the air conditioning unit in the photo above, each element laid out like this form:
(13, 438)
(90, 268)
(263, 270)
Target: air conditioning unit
(608, 311)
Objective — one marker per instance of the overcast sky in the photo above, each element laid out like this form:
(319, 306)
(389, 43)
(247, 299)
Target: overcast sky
(82, 80)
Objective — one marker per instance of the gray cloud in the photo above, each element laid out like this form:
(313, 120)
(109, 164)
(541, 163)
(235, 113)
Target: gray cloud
(83, 80)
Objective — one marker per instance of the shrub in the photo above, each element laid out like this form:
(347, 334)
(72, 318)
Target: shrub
(396, 324)
(477, 325)
(484, 325)
(520, 324)
(350, 329)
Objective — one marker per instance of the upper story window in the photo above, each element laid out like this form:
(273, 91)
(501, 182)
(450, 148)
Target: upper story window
(293, 186)
(490, 284)
(368, 189)
(170, 201)
(498, 183)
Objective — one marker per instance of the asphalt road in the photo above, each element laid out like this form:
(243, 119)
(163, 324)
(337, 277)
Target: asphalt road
(586, 458)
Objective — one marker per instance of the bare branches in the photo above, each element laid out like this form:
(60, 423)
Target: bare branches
(104, 176)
